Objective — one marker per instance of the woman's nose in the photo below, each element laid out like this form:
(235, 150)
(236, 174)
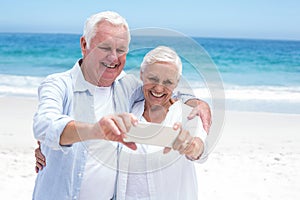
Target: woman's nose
(159, 88)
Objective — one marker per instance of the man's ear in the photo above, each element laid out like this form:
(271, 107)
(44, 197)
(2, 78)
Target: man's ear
(141, 75)
(83, 46)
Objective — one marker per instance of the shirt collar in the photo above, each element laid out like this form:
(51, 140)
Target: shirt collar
(79, 83)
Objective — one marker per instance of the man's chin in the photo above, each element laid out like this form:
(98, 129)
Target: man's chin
(106, 82)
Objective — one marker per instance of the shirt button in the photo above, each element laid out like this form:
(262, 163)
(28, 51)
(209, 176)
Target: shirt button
(75, 197)
(79, 174)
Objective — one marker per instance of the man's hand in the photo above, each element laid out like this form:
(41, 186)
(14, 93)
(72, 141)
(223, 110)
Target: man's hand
(40, 159)
(115, 127)
(201, 109)
(185, 144)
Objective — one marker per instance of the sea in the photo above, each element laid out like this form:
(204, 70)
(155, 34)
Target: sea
(253, 74)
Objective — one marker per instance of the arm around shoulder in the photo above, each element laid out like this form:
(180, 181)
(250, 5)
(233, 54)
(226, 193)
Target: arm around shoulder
(202, 109)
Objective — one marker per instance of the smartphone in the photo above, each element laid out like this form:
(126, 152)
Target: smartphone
(152, 134)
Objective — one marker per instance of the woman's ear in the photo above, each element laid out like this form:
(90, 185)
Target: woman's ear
(176, 84)
(83, 46)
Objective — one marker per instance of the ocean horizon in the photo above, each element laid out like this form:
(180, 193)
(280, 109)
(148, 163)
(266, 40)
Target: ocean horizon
(257, 74)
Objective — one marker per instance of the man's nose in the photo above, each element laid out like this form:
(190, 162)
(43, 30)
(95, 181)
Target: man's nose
(112, 56)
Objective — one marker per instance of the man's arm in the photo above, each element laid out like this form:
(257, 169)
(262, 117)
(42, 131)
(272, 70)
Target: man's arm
(74, 132)
(111, 127)
(201, 108)
(55, 128)
(52, 116)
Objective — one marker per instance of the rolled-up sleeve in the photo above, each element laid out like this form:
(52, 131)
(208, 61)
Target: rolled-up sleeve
(52, 115)
(201, 133)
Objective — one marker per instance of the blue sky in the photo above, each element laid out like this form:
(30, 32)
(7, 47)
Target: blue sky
(269, 19)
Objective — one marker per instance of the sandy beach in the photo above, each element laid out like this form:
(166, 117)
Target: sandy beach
(257, 156)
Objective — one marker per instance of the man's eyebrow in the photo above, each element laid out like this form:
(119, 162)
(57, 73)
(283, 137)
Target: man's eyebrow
(123, 47)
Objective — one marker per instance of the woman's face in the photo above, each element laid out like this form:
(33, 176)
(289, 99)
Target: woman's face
(159, 80)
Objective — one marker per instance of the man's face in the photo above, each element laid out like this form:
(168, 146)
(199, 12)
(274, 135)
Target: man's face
(105, 57)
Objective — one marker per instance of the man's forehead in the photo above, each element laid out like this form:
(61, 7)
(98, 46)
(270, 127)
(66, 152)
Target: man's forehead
(109, 36)
(106, 27)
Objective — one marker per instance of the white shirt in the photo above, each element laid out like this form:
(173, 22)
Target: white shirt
(98, 177)
(161, 176)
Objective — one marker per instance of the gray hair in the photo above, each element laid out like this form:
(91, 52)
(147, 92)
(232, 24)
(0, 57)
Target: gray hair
(162, 54)
(91, 23)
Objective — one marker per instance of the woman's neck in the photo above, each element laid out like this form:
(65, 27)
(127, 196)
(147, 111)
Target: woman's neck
(156, 113)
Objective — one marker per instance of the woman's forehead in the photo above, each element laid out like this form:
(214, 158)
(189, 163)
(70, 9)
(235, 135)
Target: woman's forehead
(160, 68)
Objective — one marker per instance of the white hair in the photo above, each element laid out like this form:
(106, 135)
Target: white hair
(91, 23)
(162, 54)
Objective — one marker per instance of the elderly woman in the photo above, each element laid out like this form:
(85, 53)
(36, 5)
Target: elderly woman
(153, 173)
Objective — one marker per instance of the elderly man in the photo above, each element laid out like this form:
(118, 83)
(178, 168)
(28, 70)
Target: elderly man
(71, 104)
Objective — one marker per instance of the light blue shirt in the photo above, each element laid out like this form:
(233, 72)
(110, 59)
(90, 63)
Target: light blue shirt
(65, 97)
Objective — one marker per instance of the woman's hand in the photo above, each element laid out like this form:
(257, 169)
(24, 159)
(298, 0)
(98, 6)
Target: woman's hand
(185, 144)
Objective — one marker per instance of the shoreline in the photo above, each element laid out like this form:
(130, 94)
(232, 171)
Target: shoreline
(256, 157)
